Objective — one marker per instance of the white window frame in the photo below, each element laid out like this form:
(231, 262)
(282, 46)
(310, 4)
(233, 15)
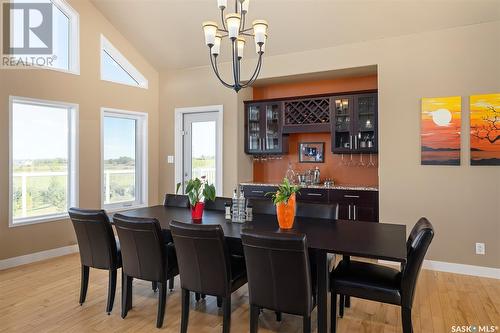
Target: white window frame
(73, 169)
(122, 61)
(74, 36)
(141, 179)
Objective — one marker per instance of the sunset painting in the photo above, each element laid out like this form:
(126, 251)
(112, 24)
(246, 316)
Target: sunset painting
(440, 130)
(485, 129)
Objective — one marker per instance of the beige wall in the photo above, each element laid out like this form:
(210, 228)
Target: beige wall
(462, 202)
(91, 94)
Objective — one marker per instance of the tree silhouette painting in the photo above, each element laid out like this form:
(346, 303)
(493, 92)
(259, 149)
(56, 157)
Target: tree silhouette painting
(440, 130)
(485, 129)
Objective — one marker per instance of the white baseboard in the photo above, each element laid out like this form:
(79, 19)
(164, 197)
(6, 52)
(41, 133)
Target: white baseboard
(442, 266)
(37, 256)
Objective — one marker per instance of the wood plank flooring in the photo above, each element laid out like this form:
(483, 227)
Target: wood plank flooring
(43, 297)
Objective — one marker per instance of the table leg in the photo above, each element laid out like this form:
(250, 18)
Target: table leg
(322, 283)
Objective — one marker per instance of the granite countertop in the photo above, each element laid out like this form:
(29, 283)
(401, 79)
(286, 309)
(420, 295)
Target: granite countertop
(320, 186)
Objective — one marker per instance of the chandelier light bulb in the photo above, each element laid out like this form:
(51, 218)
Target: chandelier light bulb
(244, 6)
(216, 47)
(258, 47)
(210, 30)
(260, 30)
(222, 4)
(233, 24)
(241, 47)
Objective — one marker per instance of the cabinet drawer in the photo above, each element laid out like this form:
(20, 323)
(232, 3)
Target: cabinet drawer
(354, 196)
(313, 195)
(258, 191)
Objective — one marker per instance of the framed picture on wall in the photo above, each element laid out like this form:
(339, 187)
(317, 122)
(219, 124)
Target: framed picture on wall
(440, 130)
(311, 152)
(485, 129)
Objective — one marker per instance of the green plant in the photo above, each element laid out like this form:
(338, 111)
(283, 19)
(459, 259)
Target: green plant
(284, 192)
(198, 190)
(177, 187)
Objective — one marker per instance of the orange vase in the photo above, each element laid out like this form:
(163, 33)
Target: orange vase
(286, 213)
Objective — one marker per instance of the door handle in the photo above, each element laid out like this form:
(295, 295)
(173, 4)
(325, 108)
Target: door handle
(349, 212)
(350, 142)
(351, 196)
(354, 212)
(255, 191)
(315, 194)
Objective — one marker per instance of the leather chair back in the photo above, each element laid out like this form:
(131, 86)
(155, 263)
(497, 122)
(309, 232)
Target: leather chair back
(318, 211)
(95, 237)
(142, 247)
(203, 258)
(418, 242)
(218, 204)
(278, 271)
(263, 206)
(176, 200)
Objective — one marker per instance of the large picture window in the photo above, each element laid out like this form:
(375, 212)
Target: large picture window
(65, 37)
(43, 160)
(124, 160)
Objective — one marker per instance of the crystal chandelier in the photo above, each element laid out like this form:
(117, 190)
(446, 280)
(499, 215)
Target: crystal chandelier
(233, 27)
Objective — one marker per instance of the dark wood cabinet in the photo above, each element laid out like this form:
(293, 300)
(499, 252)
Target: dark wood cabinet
(354, 123)
(354, 205)
(264, 128)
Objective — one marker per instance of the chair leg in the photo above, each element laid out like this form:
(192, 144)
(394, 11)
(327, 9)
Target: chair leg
(307, 324)
(333, 313)
(84, 283)
(254, 318)
(278, 316)
(219, 301)
(348, 301)
(185, 310)
(171, 284)
(226, 324)
(126, 294)
(162, 300)
(111, 290)
(197, 297)
(154, 286)
(341, 306)
(406, 319)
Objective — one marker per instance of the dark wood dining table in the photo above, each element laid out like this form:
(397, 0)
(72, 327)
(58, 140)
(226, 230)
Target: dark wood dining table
(350, 238)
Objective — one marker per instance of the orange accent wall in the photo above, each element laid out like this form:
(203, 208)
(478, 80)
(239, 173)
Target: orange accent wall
(315, 87)
(273, 170)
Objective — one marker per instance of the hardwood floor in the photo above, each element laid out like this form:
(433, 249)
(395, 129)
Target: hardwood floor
(43, 297)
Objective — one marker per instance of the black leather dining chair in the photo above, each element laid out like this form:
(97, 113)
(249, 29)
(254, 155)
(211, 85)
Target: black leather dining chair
(206, 267)
(263, 206)
(145, 256)
(279, 276)
(176, 200)
(98, 248)
(380, 283)
(218, 204)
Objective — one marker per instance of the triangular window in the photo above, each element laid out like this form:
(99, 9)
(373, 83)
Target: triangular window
(116, 68)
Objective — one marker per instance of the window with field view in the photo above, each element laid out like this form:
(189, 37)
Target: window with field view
(123, 159)
(42, 159)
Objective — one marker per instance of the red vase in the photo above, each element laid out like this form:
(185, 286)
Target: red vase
(197, 211)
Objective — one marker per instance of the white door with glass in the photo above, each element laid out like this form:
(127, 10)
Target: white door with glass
(200, 147)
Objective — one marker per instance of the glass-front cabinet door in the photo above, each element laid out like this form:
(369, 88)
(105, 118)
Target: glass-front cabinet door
(272, 128)
(366, 122)
(342, 139)
(254, 137)
(263, 128)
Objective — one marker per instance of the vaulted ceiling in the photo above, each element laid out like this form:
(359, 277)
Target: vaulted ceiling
(168, 32)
